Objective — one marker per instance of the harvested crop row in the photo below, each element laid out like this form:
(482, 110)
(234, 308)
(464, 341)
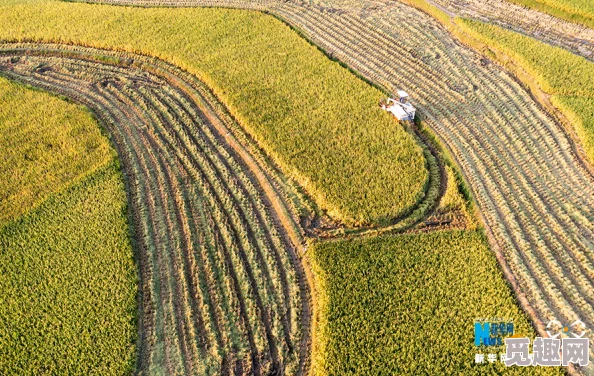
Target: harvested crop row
(222, 290)
(535, 194)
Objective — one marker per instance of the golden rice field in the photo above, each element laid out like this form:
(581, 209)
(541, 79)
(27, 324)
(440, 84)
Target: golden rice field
(280, 222)
(67, 271)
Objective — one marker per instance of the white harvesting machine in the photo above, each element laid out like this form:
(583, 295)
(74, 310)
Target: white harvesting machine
(399, 107)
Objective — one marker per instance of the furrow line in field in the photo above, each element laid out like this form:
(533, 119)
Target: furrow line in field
(169, 142)
(173, 175)
(272, 275)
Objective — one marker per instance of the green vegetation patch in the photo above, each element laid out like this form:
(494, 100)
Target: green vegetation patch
(45, 143)
(315, 118)
(406, 304)
(565, 76)
(68, 283)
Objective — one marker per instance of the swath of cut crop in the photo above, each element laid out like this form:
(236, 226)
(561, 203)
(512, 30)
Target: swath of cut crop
(222, 289)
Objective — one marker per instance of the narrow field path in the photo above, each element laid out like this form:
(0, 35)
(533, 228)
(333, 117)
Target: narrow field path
(222, 288)
(535, 194)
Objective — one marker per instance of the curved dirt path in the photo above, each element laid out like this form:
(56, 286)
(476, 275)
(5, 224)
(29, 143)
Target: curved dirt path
(222, 289)
(535, 194)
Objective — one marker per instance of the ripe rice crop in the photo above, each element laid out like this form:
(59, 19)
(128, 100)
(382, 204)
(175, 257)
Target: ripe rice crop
(406, 304)
(580, 11)
(567, 78)
(314, 118)
(534, 192)
(538, 21)
(68, 278)
(38, 157)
